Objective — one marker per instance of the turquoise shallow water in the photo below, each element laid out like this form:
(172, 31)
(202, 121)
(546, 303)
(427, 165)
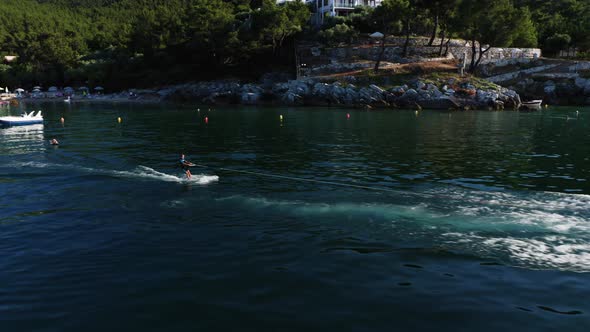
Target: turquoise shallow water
(384, 220)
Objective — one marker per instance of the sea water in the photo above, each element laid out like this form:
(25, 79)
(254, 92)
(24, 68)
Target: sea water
(294, 219)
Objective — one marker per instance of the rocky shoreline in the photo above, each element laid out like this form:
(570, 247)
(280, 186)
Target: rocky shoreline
(311, 92)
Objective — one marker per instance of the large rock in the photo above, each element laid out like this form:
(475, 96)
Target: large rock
(550, 90)
(581, 82)
(439, 103)
(509, 98)
(486, 98)
(250, 98)
(291, 98)
(409, 97)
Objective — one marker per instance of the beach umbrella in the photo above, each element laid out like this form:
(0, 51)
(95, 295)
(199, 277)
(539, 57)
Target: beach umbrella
(37, 87)
(52, 89)
(36, 90)
(68, 89)
(99, 88)
(83, 88)
(20, 90)
(1, 89)
(376, 35)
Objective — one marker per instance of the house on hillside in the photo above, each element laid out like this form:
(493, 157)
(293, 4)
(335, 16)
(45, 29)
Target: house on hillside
(325, 8)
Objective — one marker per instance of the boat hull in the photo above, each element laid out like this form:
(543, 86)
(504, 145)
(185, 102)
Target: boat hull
(533, 105)
(19, 121)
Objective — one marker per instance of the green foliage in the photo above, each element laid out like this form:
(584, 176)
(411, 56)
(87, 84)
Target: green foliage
(362, 19)
(114, 42)
(390, 14)
(341, 33)
(275, 23)
(494, 23)
(117, 43)
(559, 17)
(525, 34)
(557, 42)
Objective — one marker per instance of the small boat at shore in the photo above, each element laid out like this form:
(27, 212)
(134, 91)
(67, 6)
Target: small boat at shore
(25, 119)
(533, 105)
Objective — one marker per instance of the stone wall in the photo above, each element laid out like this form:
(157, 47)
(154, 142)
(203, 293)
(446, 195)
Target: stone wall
(418, 51)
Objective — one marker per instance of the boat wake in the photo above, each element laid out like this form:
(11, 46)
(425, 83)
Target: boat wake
(539, 230)
(140, 172)
(144, 172)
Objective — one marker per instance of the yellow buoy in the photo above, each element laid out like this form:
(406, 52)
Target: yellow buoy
(119, 119)
(281, 117)
(62, 120)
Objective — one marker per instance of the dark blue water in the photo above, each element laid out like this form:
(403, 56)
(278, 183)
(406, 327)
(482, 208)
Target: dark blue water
(472, 221)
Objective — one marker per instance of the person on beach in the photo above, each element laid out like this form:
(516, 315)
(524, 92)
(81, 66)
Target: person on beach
(185, 165)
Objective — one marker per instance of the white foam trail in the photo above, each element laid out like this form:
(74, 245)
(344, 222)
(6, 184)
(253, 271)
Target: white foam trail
(141, 172)
(529, 234)
(546, 252)
(372, 210)
(530, 229)
(144, 172)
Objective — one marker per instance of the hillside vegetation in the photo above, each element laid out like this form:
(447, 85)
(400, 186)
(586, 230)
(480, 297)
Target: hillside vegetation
(123, 43)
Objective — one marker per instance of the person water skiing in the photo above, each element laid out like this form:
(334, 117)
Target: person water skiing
(185, 165)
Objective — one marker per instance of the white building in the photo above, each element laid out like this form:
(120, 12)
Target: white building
(339, 7)
(325, 8)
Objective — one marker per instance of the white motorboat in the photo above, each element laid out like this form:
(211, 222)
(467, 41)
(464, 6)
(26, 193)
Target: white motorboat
(533, 105)
(25, 119)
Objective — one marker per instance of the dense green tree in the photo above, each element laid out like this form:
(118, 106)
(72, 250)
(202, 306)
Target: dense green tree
(390, 18)
(571, 17)
(118, 43)
(492, 23)
(341, 33)
(114, 42)
(362, 19)
(439, 12)
(557, 42)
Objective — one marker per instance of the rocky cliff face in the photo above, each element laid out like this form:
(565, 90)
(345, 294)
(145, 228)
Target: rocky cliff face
(557, 82)
(556, 89)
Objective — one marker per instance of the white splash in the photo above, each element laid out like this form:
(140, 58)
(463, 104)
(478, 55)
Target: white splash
(143, 172)
(535, 230)
(140, 172)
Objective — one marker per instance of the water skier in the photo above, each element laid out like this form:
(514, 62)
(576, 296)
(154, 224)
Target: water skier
(185, 165)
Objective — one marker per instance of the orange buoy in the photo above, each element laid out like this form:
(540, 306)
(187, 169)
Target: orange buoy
(348, 115)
